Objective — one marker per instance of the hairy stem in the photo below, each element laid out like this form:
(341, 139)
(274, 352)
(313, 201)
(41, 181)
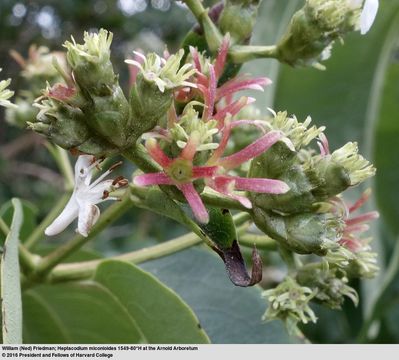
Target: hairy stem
(84, 270)
(195, 7)
(61, 158)
(260, 241)
(243, 53)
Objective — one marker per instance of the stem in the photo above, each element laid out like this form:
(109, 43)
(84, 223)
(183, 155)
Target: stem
(84, 270)
(260, 241)
(61, 158)
(289, 258)
(138, 155)
(212, 34)
(110, 215)
(39, 230)
(195, 7)
(243, 53)
(379, 305)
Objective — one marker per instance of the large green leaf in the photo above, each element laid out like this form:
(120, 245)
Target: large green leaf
(77, 313)
(160, 314)
(10, 281)
(229, 314)
(121, 304)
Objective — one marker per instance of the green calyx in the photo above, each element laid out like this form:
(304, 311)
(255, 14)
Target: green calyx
(238, 18)
(307, 233)
(313, 30)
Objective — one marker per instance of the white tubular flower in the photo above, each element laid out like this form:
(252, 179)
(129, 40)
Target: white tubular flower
(85, 196)
(368, 15)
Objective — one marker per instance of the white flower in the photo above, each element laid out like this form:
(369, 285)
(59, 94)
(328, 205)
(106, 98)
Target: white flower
(368, 15)
(85, 196)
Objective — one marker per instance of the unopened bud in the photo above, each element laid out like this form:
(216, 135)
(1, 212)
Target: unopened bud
(238, 19)
(305, 233)
(314, 28)
(330, 284)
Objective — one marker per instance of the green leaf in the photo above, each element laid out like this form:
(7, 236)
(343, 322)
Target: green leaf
(160, 314)
(29, 214)
(229, 314)
(10, 281)
(222, 231)
(77, 313)
(220, 228)
(122, 304)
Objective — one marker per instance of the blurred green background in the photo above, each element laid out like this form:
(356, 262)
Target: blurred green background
(357, 98)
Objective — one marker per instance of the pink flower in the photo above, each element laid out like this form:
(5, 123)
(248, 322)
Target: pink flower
(181, 172)
(207, 85)
(356, 225)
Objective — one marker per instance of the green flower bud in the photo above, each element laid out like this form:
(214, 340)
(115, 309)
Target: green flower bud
(363, 265)
(238, 18)
(305, 233)
(289, 302)
(283, 162)
(330, 285)
(343, 168)
(151, 95)
(65, 125)
(106, 109)
(314, 28)
(312, 178)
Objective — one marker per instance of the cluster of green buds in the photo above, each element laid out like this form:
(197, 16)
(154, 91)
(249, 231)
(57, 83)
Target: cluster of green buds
(89, 111)
(289, 301)
(298, 219)
(315, 27)
(37, 69)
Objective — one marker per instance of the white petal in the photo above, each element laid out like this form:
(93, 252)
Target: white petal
(67, 215)
(82, 171)
(88, 216)
(368, 15)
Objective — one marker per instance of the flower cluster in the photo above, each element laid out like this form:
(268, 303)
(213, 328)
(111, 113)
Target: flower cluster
(289, 302)
(194, 132)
